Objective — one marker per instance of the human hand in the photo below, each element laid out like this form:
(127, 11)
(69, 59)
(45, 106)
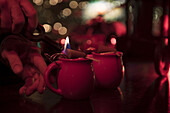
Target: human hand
(17, 16)
(25, 61)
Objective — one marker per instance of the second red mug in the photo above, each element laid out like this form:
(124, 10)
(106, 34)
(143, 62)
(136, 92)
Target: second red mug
(108, 69)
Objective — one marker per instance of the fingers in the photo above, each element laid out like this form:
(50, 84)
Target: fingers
(32, 88)
(14, 61)
(41, 86)
(39, 62)
(33, 84)
(33, 73)
(30, 13)
(28, 82)
(22, 90)
(34, 81)
(13, 19)
(18, 19)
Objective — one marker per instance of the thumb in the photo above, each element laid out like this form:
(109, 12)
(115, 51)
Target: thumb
(14, 61)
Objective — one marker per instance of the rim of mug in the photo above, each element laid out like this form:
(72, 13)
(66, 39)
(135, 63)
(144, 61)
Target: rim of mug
(76, 59)
(117, 53)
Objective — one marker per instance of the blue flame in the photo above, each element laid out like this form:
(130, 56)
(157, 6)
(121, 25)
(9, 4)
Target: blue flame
(66, 46)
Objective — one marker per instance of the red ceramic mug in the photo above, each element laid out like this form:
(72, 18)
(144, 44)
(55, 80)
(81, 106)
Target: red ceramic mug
(75, 78)
(108, 70)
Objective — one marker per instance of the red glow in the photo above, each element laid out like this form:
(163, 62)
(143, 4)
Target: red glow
(113, 41)
(62, 41)
(120, 28)
(166, 41)
(166, 25)
(89, 42)
(169, 80)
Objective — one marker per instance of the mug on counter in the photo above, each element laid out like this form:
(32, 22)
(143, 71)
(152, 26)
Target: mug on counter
(108, 70)
(75, 78)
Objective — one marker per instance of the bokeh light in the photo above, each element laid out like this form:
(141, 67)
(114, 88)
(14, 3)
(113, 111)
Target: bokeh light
(95, 8)
(53, 2)
(73, 4)
(57, 26)
(62, 41)
(111, 11)
(47, 28)
(62, 30)
(38, 2)
(82, 5)
(113, 41)
(114, 14)
(66, 12)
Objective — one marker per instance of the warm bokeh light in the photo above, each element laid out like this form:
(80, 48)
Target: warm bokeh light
(47, 28)
(113, 41)
(53, 2)
(67, 12)
(114, 14)
(62, 30)
(73, 4)
(96, 8)
(82, 5)
(62, 41)
(111, 11)
(38, 2)
(57, 26)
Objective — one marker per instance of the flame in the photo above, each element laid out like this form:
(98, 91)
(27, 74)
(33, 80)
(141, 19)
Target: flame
(66, 45)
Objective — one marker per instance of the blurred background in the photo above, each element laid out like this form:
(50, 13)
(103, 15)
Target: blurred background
(135, 27)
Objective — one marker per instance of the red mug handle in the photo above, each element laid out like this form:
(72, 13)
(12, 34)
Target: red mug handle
(52, 66)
